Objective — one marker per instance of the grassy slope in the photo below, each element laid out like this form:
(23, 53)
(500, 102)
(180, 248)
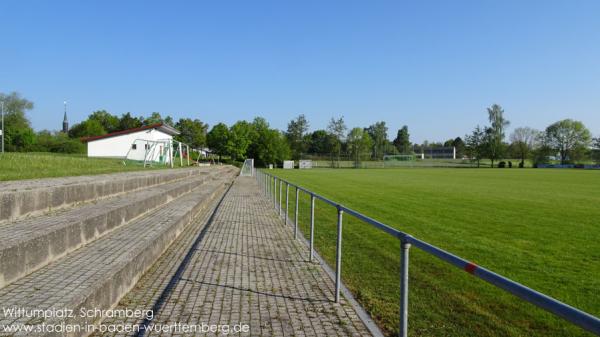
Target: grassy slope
(538, 227)
(15, 166)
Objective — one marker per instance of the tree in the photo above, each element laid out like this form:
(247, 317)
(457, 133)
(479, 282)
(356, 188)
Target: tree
(596, 150)
(337, 128)
(21, 139)
(241, 135)
(128, 122)
(193, 132)
(217, 139)
(87, 128)
(379, 137)
(169, 121)
(58, 142)
(321, 142)
(390, 148)
(110, 123)
(569, 138)
(269, 146)
(475, 144)
(402, 141)
(154, 118)
(522, 140)
(495, 133)
(359, 144)
(460, 146)
(18, 134)
(296, 130)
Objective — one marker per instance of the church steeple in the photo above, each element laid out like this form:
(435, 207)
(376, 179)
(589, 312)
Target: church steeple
(65, 128)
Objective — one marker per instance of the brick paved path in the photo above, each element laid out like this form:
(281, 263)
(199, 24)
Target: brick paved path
(245, 268)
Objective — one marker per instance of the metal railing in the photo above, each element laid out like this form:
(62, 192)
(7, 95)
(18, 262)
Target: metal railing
(269, 183)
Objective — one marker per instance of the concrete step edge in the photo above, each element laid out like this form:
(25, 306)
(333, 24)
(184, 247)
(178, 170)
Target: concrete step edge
(22, 256)
(21, 203)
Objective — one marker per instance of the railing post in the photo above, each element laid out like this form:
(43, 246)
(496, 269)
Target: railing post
(296, 214)
(275, 192)
(404, 288)
(287, 202)
(280, 196)
(270, 188)
(338, 257)
(312, 226)
(271, 182)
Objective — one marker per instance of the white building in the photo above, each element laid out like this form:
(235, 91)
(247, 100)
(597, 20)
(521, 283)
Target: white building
(150, 143)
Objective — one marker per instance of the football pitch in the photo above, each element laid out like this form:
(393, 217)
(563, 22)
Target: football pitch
(539, 227)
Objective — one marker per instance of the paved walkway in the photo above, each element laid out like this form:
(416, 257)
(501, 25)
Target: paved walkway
(241, 267)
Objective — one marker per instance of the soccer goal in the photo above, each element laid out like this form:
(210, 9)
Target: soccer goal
(398, 160)
(247, 168)
(158, 152)
(149, 152)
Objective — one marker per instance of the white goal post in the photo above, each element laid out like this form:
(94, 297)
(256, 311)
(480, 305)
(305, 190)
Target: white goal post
(248, 168)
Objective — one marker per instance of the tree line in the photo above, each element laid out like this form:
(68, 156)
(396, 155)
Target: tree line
(568, 140)
(20, 136)
(266, 145)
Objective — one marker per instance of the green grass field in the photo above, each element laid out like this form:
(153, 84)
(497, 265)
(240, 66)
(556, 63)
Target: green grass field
(15, 166)
(539, 227)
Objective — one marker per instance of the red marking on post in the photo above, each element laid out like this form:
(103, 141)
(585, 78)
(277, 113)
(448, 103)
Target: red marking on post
(470, 267)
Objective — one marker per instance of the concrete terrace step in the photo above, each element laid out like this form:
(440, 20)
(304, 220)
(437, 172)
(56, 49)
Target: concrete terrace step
(23, 198)
(31, 243)
(97, 275)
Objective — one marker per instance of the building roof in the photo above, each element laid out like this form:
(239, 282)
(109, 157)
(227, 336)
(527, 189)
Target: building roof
(159, 126)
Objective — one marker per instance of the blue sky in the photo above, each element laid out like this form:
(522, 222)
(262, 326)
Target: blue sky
(433, 65)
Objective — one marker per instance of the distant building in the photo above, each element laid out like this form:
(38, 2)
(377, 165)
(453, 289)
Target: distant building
(65, 127)
(149, 142)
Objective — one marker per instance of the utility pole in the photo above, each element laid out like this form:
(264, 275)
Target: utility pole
(2, 113)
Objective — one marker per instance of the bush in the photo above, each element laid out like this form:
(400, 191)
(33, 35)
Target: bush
(68, 146)
(57, 142)
(510, 164)
(521, 164)
(502, 164)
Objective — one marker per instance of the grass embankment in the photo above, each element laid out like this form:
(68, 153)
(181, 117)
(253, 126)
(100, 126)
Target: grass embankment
(537, 227)
(16, 166)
